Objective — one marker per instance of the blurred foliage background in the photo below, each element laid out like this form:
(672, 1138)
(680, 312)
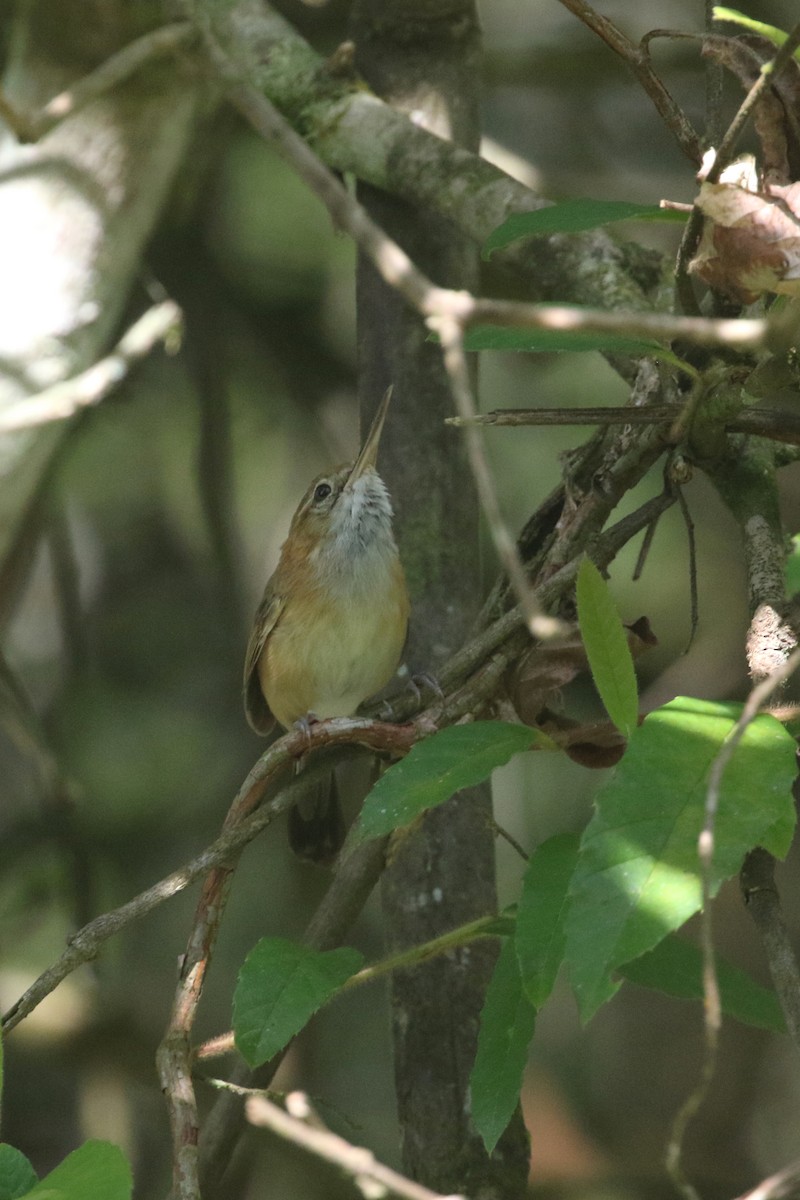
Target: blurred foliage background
(170, 506)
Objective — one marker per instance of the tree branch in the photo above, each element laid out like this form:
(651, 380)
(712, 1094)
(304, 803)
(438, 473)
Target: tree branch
(160, 323)
(638, 59)
(30, 127)
(353, 131)
(361, 1165)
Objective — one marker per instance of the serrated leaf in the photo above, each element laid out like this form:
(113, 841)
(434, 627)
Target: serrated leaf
(676, 968)
(17, 1176)
(96, 1169)
(539, 936)
(280, 987)
(573, 216)
(638, 876)
(607, 648)
(770, 32)
(507, 1023)
(436, 768)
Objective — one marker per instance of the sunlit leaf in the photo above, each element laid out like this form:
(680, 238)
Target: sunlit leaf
(638, 875)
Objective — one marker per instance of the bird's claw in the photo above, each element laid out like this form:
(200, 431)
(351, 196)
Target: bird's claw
(425, 680)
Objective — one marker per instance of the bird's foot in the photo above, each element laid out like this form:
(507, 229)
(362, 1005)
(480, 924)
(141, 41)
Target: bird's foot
(425, 680)
(304, 725)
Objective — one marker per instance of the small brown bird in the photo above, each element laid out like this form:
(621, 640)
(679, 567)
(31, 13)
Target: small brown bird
(331, 626)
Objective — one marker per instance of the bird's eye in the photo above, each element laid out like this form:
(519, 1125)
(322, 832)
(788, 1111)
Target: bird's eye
(322, 491)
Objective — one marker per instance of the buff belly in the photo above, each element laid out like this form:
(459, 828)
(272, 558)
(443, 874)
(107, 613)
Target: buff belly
(327, 662)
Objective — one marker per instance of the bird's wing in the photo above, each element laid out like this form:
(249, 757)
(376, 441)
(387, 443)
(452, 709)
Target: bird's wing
(255, 706)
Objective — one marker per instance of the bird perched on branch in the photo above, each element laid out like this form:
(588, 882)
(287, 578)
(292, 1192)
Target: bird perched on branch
(331, 626)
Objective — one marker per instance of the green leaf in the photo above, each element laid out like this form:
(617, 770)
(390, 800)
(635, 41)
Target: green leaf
(17, 1176)
(793, 566)
(548, 341)
(435, 769)
(96, 1169)
(638, 876)
(280, 987)
(676, 967)
(507, 1023)
(771, 32)
(539, 934)
(607, 648)
(573, 216)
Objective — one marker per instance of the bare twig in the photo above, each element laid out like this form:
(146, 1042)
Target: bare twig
(757, 880)
(784, 1185)
(777, 424)
(114, 71)
(353, 882)
(622, 415)
(638, 59)
(452, 339)
(371, 1177)
(174, 1058)
(694, 603)
(501, 832)
(85, 945)
(713, 73)
(705, 848)
(63, 400)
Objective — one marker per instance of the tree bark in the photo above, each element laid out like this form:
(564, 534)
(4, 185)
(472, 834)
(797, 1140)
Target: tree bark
(422, 56)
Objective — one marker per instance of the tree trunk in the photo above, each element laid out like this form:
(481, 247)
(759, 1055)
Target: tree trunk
(423, 57)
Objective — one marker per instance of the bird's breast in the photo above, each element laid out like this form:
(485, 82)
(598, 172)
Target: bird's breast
(338, 641)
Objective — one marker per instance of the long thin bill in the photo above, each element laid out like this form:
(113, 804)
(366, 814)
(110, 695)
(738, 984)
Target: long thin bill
(368, 455)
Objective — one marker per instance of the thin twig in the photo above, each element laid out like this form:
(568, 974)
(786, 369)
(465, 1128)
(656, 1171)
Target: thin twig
(85, 945)
(644, 549)
(757, 881)
(63, 400)
(694, 602)
(685, 296)
(500, 831)
(619, 415)
(638, 59)
(452, 339)
(370, 1176)
(784, 1185)
(114, 71)
(713, 74)
(174, 1057)
(777, 424)
(705, 849)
